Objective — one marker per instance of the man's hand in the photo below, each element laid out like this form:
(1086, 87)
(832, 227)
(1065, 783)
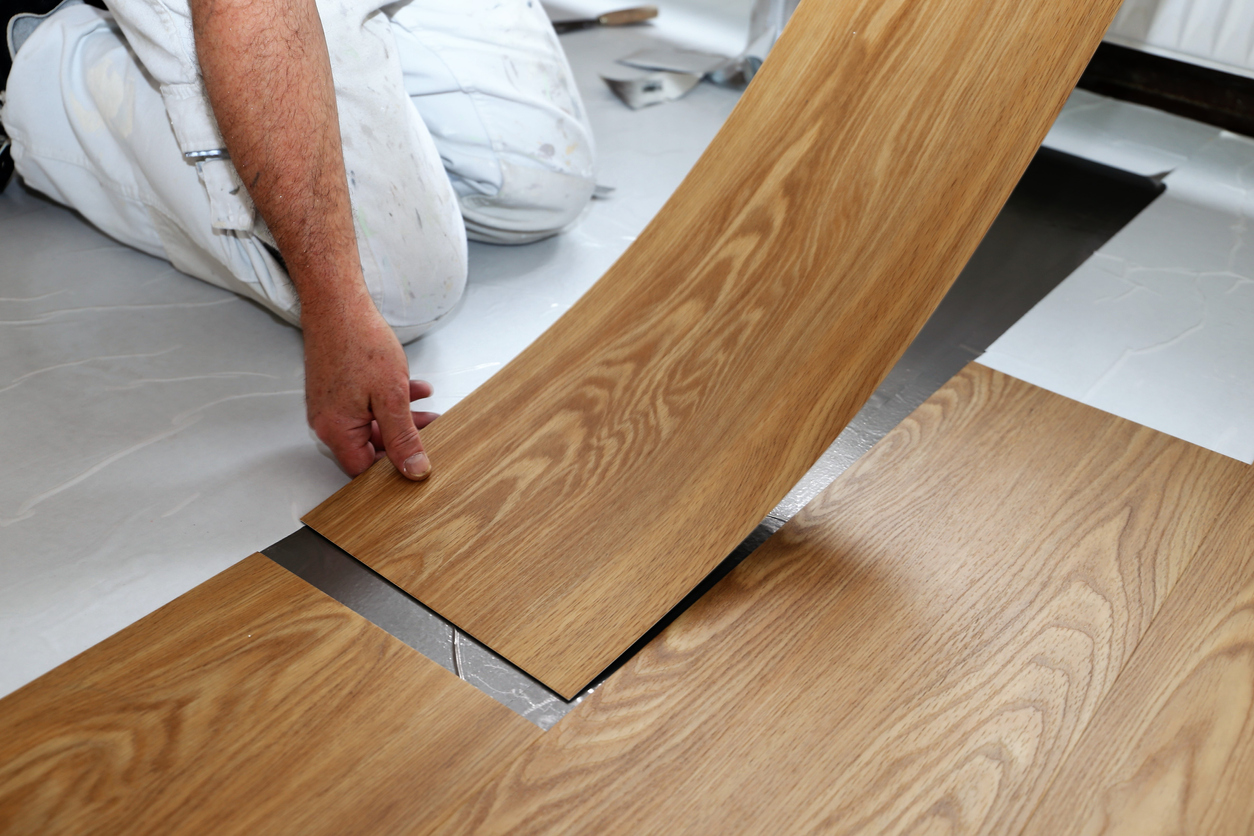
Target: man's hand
(268, 77)
(357, 392)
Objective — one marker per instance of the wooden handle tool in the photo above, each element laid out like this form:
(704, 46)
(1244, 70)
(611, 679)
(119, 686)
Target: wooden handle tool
(622, 17)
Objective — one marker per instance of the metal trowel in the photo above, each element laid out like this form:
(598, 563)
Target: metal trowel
(651, 89)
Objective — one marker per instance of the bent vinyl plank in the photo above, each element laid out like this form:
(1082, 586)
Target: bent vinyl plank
(916, 651)
(252, 704)
(585, 488)
(1172, 749)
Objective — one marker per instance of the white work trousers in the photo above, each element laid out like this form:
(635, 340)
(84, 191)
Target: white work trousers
(457, 117)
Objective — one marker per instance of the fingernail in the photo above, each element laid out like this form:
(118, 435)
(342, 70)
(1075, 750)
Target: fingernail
(417, 466)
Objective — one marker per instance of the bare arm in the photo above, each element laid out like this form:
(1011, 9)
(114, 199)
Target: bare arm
(268, 77)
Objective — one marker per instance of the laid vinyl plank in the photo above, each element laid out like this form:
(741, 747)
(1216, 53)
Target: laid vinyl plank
(916, 651)
(1172, 749)
(252, 704)
(582, 491)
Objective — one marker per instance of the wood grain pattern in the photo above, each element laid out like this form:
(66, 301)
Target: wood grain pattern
(584, 489)
(1172, 749)
(252, 704)
(916, 652)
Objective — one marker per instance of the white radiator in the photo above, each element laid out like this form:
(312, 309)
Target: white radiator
(1213, 33)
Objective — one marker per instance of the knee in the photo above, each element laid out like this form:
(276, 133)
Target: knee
(415, 271)
(533, 203)
(420, 297)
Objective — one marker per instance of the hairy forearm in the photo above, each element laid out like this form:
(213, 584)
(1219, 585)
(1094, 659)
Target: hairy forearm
(268, 77)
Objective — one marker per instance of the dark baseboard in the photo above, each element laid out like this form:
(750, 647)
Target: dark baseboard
(1212, 96)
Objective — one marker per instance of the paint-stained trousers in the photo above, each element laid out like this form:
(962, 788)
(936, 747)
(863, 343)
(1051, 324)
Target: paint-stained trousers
(458, 117)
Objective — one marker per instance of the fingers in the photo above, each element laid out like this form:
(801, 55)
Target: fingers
(419, 389)
(351, 447)
(358, 391)
(400, 436)
(422, 420)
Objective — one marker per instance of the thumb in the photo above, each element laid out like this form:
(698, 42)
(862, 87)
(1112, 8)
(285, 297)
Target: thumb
(401, 440)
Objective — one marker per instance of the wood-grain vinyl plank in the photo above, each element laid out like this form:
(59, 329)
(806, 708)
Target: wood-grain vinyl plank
(582, 491)
(1172, 749)
(252, 704)
(916, 652)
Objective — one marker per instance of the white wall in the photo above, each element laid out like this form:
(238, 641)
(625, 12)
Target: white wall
(1213, 33)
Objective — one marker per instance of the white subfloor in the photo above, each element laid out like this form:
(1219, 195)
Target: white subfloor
(152, 427)
(1158, 326)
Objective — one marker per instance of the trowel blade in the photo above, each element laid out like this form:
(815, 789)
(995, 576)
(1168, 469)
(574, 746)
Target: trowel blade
(652, 89)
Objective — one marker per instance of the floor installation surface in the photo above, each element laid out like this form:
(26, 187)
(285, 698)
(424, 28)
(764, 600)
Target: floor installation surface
(93, 557)
(920, 650)
(180, 442)
(795, 278)
(1061, 210)
(928, 643)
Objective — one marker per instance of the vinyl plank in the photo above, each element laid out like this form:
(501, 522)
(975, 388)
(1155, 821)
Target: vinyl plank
(1061, 211)
(252, 704)
(582, 491)
(1172, 749)
(916, 651)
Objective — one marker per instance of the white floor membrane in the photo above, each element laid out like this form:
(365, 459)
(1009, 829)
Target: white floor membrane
(1158, 326)
(1135, 138)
